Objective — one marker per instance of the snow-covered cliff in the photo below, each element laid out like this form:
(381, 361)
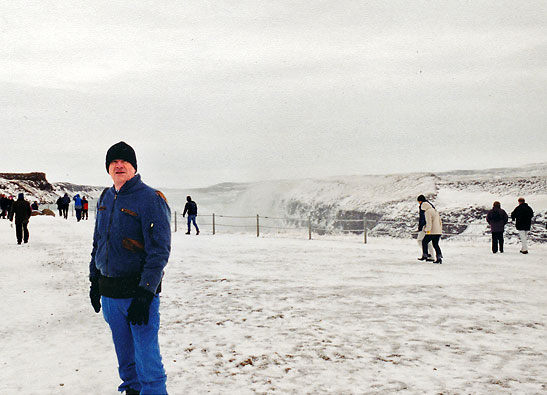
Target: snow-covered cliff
(36, 187)
(340, 204)
(462, 197)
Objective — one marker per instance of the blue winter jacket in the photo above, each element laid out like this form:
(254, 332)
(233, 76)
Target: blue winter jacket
(77, 201)
(132, 234)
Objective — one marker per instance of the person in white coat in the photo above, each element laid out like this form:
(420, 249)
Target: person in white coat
(421, 231)
(433, 230)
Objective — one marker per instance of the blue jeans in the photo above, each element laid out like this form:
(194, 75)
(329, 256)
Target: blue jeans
(137, 347)
(192, 219)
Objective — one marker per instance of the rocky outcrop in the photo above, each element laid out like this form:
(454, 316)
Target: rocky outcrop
(35, 179)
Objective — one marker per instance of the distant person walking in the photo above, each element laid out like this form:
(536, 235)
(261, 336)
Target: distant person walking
(34, 205)
(522, 215)
(66, 203)
(85, 208)
(192, 209)
(21, 211)
(78, 206)
(433, 230)
(497, 218)
(421, 231)
(10, 203)
(59, 204)
(4, 206)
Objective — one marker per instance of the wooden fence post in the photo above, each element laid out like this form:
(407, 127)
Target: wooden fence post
(213, 223)
(365, 230)
(257, 226)
(309, 228)
(175, 220)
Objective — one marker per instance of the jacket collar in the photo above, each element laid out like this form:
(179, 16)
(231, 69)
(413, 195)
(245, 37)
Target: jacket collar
(129, 185)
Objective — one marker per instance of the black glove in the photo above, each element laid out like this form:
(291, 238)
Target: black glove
(95, 296)
(139, 309)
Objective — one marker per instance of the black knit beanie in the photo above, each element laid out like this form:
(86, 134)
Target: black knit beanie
(121, 151)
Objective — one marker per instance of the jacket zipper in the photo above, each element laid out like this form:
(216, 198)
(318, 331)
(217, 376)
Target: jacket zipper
(108, 231)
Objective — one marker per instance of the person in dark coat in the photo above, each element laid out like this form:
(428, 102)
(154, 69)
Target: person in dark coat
(34, 205)
(522, 215)
(4, 203)
(192, 209)
(10, 204)
(497, 218)
(66, 204)
(60, 206)
(21, 211)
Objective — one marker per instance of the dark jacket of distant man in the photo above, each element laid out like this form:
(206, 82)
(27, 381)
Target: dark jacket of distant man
(191, 208)
(21, 211)
(523, 214)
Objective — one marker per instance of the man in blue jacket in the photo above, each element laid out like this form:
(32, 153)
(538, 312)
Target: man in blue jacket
(131, 246)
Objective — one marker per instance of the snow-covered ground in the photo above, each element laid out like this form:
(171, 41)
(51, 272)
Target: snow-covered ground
(242, 315)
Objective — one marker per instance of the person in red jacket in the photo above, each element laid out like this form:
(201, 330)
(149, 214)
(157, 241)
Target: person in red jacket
(85, 207)
(21, 210)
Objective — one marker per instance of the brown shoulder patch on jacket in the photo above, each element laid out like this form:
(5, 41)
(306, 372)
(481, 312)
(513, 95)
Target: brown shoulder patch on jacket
(161, 195)
(132, 245)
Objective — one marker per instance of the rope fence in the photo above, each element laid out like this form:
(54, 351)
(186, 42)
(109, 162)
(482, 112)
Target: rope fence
(367, 229)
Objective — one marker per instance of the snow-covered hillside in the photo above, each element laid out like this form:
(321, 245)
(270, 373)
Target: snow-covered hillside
(36, 188)
(462, 197)
(340, 204)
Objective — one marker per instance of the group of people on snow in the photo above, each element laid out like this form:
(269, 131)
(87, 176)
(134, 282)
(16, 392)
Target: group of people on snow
(81, 206)
(497, 218)
(21, 210)
(430, 227)
(5, 205)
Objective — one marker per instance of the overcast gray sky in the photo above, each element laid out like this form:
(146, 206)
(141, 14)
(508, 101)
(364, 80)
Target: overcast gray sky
(218, 91)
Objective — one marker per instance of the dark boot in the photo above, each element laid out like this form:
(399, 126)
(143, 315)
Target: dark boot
(131, 391)
(439, 260)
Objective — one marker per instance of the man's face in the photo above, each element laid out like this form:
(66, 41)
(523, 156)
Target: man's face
(121, 171)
